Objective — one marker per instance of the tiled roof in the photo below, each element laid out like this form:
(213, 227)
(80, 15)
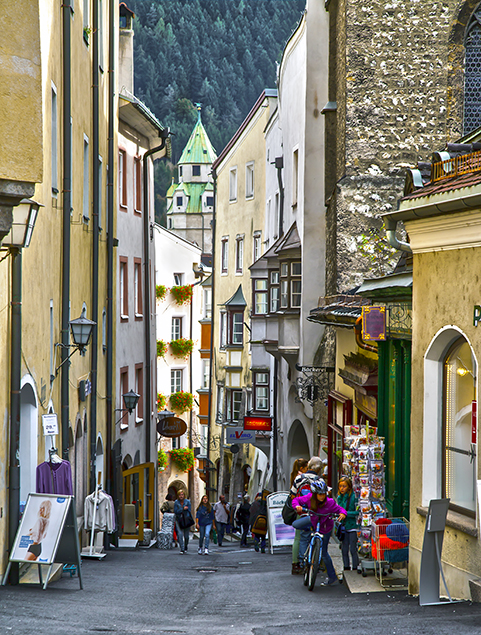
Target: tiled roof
(199, 148)
(446, 185)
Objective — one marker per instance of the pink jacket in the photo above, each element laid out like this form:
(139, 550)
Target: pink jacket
(329, 507)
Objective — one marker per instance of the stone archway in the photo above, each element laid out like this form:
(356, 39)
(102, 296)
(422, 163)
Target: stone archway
(297, 444)
(175, 486)
(28, 441)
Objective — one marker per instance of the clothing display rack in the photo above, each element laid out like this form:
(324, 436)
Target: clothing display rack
(92, 553)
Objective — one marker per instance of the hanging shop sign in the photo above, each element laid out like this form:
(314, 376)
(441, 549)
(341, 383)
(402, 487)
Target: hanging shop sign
(374, 323)
(172, 427)
(262, 424)
(239, 435)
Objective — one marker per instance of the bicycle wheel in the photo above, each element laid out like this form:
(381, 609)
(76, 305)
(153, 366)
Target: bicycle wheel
(315, 559)
(307, 568)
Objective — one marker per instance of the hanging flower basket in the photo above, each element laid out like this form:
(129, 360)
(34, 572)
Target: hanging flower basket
(183, 458)
(161, 348)
(182, 293)
(160, 291)
(162, 459)
(181, 402)
(182, 347)
(161, 401)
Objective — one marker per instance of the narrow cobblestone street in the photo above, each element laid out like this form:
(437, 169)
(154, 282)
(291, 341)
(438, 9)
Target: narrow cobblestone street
(229, 591)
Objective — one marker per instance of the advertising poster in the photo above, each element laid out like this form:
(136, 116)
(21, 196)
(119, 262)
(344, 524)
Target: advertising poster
(279, 533)
(40, 528)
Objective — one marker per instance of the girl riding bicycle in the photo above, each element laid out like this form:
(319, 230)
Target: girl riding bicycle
(322, 508)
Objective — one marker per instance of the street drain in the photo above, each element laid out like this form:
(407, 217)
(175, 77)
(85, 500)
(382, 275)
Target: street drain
(207, 570)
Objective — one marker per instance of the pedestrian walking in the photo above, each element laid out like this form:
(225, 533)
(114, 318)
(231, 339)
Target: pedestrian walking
(348, 500)
(242, 517)
(221, 518)
(166, 538)
(183, 520)
(204, 519)
(258, 522)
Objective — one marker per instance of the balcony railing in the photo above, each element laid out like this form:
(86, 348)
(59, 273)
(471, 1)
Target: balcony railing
(455, 166)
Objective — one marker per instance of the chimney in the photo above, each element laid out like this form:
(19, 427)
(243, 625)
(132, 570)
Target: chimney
(126, 48)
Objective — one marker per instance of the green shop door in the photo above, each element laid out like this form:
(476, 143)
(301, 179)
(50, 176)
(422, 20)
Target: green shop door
(394, 408)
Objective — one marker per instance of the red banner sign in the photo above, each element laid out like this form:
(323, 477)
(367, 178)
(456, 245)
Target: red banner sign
(473, 422)
(262, 424)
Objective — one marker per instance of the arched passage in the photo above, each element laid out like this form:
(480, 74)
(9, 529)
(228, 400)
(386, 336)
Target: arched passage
(298, 446)
(28, 442)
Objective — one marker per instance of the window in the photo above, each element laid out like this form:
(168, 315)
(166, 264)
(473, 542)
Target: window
(274, 291)
(100, 168)
(176, 380)
(250, 179)
(176, 328)
(236, 327)
(239, 254)
(122, 179)
(124, 388)
(257, 246)
(139, 389)
(205, 373)
(224, 255)
(276, 215)
(223, 329)
(295, 177)
(86, 20)
(459, 468)
(86, 211)
(196, 170)
(138, 287)
(170, 224)
(234, 400)
(178, 279)
(233, 184)
(207, 300)
(284, 285)
(101, 35)
(210, 201)
(138, 184)
(220, 403)
(472, 74)
(296, 285)
(54, 133)
(180, 171)
(180, 201)
(104, 331)
(123, 291)
(260, 297)
(261, 391)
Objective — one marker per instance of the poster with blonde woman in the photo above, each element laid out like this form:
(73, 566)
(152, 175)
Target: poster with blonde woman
(40, 528)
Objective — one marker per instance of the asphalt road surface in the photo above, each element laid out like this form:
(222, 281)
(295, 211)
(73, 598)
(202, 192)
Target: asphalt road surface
(231, 590)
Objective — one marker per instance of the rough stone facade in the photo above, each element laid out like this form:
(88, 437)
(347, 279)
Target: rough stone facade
(396, 74)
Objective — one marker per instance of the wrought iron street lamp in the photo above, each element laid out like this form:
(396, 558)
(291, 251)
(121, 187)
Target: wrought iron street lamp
(24, 217)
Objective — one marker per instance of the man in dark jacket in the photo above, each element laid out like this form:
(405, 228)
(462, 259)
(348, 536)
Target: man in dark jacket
(258, 522)
(242, 518)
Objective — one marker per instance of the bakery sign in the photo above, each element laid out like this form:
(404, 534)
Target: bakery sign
(261, 424)
(374, 323)
(171, 427)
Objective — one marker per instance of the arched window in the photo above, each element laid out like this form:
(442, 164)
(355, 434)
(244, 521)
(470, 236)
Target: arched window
(472, 73)
(459, 456)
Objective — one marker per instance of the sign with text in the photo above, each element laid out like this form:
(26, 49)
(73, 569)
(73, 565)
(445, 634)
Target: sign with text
(263, 424)
(280, 534)
(239, 435)
(374, 323)
(172, 427)
(50, 424)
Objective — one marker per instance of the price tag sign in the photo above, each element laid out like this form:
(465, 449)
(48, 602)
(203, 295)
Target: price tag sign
(50, 424)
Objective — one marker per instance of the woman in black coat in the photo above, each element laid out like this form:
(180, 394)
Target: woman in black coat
(242, 518)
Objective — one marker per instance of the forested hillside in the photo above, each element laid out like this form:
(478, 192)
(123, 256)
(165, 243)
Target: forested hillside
(221, 53)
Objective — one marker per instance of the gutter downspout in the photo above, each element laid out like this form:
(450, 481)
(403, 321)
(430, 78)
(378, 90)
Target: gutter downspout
(211, 352)
(15, 380)
(110, 248)
(391, 225)
(191, 382)
(274, 428)
(67, 206)
(359, 341)
(95, 247)
(279, 162)
(147, 293)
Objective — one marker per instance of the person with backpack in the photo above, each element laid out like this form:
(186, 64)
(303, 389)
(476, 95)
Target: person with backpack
(258, 522)
(347, 499)
(242, 517)
(297, 476)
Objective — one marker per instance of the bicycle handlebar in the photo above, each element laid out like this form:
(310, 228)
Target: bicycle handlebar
(310, 511)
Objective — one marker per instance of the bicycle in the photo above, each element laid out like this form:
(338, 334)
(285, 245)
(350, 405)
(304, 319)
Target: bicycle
(312, 559)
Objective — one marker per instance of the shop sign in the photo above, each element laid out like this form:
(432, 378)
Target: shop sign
(367, 404)
(374, 323)
(473, 422)
(262, 424)
(239, 435)
(171, 427)
(50, 424)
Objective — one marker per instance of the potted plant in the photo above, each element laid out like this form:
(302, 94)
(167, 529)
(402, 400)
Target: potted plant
(182, 293)
(161, 401)
(160, 291)
(183, 458)
(162, 459)
(161, 348)
(182, 347)
(181, 401)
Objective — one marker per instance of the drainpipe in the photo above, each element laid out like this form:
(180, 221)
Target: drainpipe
(95, 246)
(391, 225)
(274, 428)
(359, 341)
(15, 378)
(191, 382)
(147, 293)
(67, 206)
(110, 246)
(279, 162)
(211, 352)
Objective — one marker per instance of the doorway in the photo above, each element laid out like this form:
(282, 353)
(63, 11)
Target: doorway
(138, 500)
